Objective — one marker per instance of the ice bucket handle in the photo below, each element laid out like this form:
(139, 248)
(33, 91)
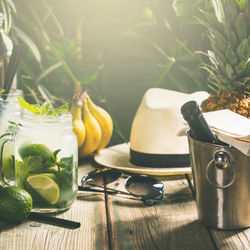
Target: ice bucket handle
(220, 171)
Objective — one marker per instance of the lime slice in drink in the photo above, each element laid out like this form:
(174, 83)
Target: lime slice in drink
(45, 186)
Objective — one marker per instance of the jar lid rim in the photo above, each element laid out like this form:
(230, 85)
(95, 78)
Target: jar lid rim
(27, 116)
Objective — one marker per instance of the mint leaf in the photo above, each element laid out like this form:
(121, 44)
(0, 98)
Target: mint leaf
(44, 109)
(13, 123)
(30, 107)
(13, 128)
(66, 163)
(57, 111)
(54, 154)
(30, 165)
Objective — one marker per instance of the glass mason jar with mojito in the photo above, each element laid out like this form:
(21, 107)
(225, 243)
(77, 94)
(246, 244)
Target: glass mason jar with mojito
(10, 112)
(46, 158)
(46, 161)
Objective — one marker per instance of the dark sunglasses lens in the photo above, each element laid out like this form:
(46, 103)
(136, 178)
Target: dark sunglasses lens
(144, 186)
(102, 177)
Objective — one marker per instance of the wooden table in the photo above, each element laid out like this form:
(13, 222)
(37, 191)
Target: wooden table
(115, 222)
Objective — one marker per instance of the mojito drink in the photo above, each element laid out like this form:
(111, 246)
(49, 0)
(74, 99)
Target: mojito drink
(48, 177)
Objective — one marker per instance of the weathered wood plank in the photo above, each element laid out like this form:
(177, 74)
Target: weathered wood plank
(88, 209)
(238, 240)
(229, 239)
(171, 224)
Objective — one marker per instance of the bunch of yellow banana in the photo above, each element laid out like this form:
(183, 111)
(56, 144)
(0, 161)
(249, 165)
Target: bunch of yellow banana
(98, 126)
(78, 125)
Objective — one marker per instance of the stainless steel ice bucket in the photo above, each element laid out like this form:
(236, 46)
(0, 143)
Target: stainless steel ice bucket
(221, 177)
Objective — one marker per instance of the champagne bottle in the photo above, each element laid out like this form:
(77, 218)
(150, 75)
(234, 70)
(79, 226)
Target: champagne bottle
(197, 123)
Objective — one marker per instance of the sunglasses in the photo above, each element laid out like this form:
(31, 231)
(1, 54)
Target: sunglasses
(146, 188)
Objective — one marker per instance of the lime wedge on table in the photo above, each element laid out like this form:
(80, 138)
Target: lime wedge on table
(45, 186)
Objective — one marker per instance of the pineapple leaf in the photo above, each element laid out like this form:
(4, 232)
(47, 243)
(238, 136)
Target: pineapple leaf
(219, 40)
(211, 70)
(231, 56)
(230, 35)
(241, 26)
(243, 50)
(222, 61)
(240, 68)
(219, 12)
(246, 80)
(211, 21)
(231, 10)
(213, 59)
(229, 71)
(211, 86)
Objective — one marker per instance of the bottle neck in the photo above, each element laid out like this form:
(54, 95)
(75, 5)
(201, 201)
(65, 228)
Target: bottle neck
(197, 123)
(200, 130)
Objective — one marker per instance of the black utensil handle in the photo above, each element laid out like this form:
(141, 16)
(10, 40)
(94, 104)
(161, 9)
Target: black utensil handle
(54, 220)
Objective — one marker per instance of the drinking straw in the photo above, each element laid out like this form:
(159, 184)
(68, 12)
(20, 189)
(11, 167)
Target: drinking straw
(54, 220)
(12, 68)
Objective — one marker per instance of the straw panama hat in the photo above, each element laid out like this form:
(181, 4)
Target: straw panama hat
(154, 139)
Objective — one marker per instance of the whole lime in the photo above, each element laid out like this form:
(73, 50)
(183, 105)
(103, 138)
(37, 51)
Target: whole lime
(15, 204)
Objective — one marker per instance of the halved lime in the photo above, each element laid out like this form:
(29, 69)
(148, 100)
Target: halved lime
(45, 186)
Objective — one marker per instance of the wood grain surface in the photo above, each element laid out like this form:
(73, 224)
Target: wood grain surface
(121, 222)
(170, 224)
(88, 209)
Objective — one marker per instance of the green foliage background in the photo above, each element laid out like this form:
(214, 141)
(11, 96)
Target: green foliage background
(115, 49)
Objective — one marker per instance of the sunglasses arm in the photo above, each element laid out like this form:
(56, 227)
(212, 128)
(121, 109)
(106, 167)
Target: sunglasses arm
(80, 188)
(111, 189)
(149, 202)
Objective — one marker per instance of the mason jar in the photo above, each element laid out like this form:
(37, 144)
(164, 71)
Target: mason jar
(46, 161)
(10, 111)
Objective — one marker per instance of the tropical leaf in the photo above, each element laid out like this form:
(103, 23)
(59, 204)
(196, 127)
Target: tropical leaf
(47, 72)
(137, 64)
(7, 16)
(242, 4)
(55, 19)
(31, 45)
(12, 5)
(88, 79)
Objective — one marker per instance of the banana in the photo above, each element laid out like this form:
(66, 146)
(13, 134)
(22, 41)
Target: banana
(104, 120)
(93, 133)
(79, 128)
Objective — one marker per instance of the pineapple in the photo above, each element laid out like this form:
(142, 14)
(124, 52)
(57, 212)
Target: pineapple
(229, 57)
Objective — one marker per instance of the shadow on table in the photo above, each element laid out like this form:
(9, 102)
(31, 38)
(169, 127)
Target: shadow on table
(127, 201)
(89, 197)
(4, 226)
(166, 235)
